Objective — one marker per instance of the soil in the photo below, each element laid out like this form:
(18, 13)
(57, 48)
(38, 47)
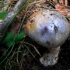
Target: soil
(32, 63)
(63, 63)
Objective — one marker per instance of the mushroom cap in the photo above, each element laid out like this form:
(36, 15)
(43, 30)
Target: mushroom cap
(48, 28)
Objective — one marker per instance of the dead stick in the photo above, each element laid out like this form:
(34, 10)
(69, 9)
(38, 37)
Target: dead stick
(10, 15)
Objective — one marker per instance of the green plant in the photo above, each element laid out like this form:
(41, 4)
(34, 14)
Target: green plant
(10, 40)
(3, 14)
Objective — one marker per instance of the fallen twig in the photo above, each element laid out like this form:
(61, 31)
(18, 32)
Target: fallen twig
(11, 14)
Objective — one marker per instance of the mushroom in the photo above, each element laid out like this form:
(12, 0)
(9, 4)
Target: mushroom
(50, 29)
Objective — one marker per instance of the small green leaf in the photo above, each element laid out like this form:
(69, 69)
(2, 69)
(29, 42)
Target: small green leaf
(19, 37)
(8, 39)
(3, 14)
(9, 43)
(9, 36)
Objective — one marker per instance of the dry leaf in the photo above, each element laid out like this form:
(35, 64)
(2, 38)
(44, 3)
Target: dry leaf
(65, 10)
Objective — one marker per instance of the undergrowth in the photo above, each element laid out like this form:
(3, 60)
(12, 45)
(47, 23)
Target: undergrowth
(9, 41)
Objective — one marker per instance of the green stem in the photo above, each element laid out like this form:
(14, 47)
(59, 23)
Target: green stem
(7, 55)
(21, 23)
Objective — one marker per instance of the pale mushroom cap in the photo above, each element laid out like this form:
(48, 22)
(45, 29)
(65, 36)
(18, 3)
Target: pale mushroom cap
(48, 28)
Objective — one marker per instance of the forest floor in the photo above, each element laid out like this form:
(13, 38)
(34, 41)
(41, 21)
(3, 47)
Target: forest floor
(27, 58)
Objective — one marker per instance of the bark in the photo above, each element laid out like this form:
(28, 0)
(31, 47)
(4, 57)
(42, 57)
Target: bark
(11, 15)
